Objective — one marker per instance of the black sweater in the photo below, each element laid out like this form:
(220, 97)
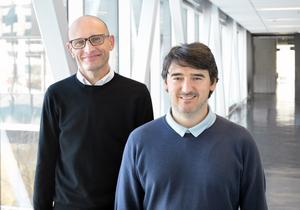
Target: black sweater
(82, 136)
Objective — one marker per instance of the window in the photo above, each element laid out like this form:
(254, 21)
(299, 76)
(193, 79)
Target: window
(23, 78)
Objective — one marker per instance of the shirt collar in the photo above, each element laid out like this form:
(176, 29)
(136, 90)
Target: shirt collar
(100, 82)
(197, 129)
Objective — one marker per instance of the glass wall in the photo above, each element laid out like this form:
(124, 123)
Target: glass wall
(23, 79)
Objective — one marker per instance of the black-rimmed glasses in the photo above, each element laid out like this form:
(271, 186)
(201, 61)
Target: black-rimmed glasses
(94, 40)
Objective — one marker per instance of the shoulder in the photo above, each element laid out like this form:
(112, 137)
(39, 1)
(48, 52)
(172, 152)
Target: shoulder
(236, 136)
(230, 127)
(147, 130)
(145, 137)
(233, 132)
(129, 83)
(61, 85)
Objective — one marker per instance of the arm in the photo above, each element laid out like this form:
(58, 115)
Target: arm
(145, 110)
(129, 193)
(44, 183)
(253, 186)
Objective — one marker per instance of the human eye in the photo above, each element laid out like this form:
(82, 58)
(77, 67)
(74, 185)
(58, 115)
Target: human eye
(177, 78)
(197, 78)
(78, 43)
(96, 39)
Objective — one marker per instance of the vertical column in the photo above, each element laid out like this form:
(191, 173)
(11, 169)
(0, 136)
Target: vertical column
(217, 100)
(250, 65)
(191, 26)
(205, 23)
(125, 38)
(177, 21)
(144, 42)
(52, 20)
(155, 69)
(297, 67)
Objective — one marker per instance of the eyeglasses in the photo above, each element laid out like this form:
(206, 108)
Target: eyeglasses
(94, 40)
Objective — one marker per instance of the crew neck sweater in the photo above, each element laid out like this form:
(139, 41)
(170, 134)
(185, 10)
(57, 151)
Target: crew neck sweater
(218, 170)
(82, 136)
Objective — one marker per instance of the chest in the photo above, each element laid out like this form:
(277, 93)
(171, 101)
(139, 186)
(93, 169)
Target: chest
(191, 167)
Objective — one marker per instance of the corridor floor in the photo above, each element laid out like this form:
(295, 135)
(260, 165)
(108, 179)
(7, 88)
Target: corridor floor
(274, 121)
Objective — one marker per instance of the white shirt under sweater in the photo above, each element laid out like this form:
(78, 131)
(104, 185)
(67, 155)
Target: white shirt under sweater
(197, 129)
(100, 82)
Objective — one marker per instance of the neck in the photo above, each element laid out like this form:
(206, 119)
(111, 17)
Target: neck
(94, 76)
(189, 120)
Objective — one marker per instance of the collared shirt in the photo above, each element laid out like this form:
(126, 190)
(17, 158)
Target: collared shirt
(197, 129)
(100, 82)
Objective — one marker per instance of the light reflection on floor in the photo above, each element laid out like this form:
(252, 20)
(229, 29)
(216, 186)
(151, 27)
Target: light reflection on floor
(273, 120)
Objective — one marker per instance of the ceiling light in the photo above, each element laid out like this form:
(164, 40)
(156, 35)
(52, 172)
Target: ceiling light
(282, 19)
(283, 26)
(278, 8)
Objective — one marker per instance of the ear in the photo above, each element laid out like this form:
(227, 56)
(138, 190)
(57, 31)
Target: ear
(111, 41)
(213, 86)
(70, 49)
(165, 85)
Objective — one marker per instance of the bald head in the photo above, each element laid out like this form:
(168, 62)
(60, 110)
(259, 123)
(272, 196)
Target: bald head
(86, 26)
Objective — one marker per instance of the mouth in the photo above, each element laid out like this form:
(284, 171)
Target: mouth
(91, 57)
(187, 97)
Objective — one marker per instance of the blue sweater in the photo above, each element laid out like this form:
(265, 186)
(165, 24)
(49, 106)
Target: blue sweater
(218, 170)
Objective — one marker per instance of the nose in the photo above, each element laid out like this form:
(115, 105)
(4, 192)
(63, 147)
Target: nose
(88, 46)
(186, 85)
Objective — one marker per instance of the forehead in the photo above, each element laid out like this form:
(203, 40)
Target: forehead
(85, 27)
(185, 70)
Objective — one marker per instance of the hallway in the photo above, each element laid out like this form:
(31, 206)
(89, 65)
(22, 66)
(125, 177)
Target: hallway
(274, 121)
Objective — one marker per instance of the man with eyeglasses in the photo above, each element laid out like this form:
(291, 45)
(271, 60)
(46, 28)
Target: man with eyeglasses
(86, 119)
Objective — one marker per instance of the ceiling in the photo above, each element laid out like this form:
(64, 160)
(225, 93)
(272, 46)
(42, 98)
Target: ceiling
(264, 16)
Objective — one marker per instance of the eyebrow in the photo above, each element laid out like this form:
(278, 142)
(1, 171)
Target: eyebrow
(198, 75)
(176, 74)
(181, 74)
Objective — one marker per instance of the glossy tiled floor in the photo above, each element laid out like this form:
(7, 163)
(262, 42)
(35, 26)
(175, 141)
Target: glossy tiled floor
(274, 121)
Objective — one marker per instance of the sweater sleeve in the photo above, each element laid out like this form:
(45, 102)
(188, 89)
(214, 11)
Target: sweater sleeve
(253, 186)
(129, 193)
(145, 110)
(44, 183)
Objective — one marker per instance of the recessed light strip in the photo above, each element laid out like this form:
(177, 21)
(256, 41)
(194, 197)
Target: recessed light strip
(278, 8)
